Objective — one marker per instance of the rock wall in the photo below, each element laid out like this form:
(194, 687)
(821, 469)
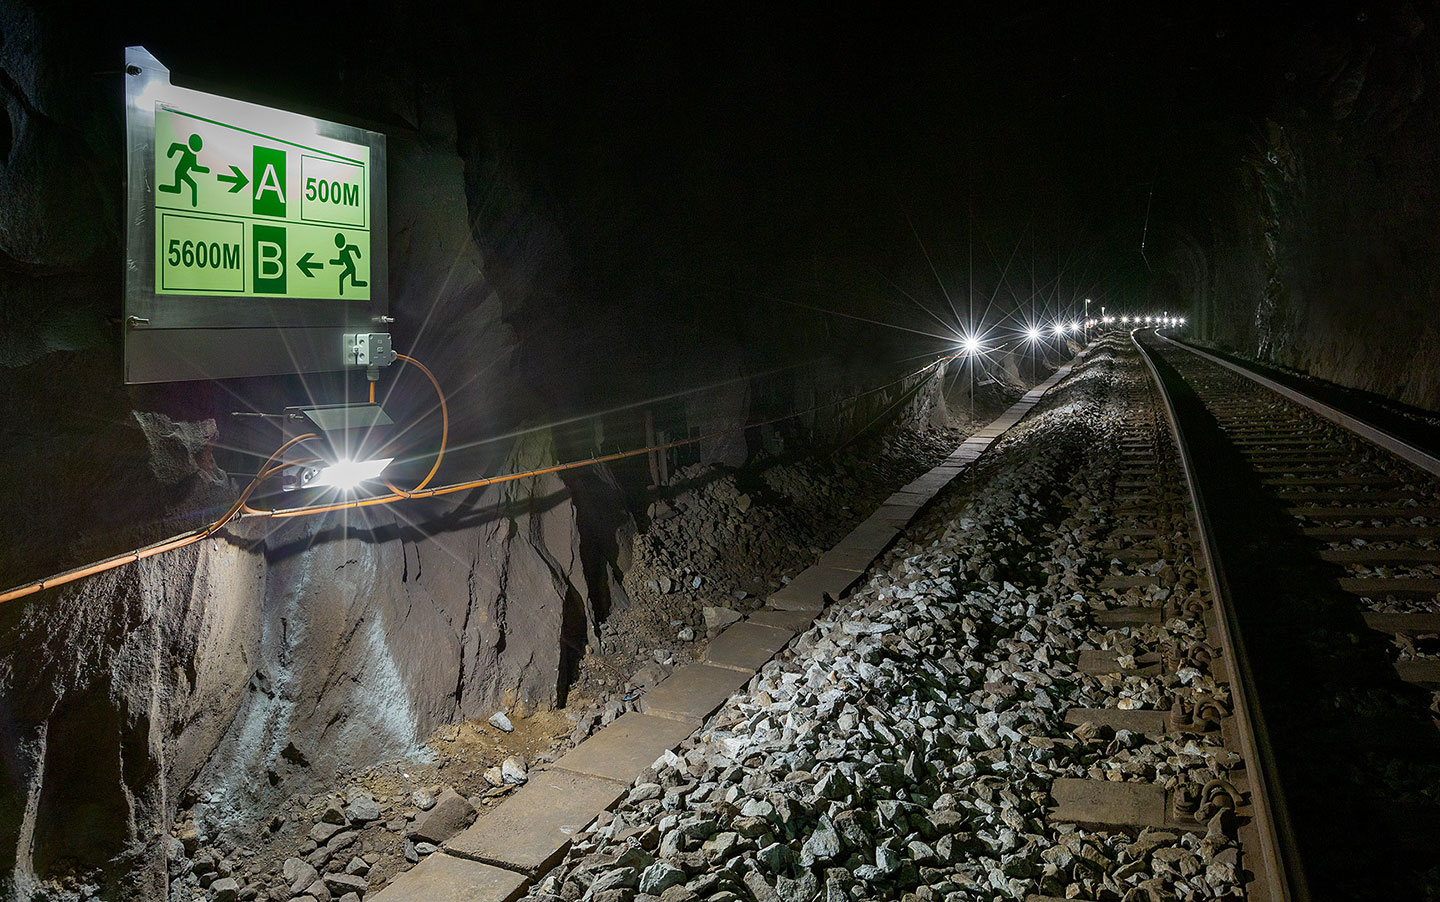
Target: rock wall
(1324, 242)
(112, 691)
(375, 634)
(267, 661)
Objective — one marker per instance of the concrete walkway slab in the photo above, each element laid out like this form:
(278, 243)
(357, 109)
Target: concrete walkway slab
(624, 748)
(807, 591)
(746, 646)
(784, 620)
(897, 515)
(854, 561)
(445, 878)
(930, 485)
(908, 497)
(692, 693)
(869, 536)
(531, 830)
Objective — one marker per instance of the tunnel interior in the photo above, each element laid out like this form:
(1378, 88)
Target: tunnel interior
(802, 253)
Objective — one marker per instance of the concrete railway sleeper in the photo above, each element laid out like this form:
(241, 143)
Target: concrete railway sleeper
(1025, 697)
(1331, 547)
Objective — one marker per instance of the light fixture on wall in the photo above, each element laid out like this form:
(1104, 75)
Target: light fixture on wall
(343, 449)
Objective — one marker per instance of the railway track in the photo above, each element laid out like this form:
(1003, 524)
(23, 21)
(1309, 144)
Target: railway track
(1167, 639)
(1029, 697)
(1328, 543)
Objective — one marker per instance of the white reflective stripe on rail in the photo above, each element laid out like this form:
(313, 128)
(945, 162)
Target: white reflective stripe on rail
(1371, 433)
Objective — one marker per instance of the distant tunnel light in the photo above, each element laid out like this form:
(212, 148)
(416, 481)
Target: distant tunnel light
(346, 475)
(1059, 330)
(1072, 327)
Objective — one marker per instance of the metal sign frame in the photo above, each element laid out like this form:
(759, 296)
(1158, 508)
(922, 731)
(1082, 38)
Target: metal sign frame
(179, 337)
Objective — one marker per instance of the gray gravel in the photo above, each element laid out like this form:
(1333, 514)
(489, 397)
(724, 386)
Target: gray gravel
(905, 746)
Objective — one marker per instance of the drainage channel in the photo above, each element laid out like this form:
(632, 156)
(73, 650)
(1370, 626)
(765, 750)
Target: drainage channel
(1328, 533)
(513, 845)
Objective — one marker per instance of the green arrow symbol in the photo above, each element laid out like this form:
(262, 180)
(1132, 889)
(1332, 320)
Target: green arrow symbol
(239, 179)
(305, 266)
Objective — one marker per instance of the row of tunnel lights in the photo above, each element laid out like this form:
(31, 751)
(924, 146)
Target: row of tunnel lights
(973, 344)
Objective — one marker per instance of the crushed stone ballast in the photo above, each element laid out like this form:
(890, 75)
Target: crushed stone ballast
(514, 844)
(1023, 700)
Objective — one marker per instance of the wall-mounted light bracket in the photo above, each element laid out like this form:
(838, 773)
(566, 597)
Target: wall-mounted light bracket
(344, 451)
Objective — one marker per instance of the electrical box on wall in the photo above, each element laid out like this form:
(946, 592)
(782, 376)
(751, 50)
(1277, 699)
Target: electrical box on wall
(256, 238)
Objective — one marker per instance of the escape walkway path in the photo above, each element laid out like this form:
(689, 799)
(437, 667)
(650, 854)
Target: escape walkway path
(515, 843)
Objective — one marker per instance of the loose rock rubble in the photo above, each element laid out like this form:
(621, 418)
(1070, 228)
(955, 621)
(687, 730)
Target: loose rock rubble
(706, 541)
(904, 747)
(719, 541)
(387, 818)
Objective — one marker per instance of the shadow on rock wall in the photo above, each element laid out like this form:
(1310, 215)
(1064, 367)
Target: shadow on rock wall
(1326, 245)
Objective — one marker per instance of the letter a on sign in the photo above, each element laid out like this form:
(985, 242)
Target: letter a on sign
(269, 170)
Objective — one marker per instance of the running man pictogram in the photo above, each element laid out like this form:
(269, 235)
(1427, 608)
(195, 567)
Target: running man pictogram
(349, 253)
(187, 164)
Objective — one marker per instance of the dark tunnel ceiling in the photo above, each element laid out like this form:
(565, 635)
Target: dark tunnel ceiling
(768, 136)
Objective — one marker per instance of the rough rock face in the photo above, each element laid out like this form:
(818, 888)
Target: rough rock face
(142, 669)
(1323, 242)
(372, 636)
(263, 661)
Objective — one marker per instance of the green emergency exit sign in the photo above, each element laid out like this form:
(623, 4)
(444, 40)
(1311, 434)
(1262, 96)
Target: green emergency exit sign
(242, 213)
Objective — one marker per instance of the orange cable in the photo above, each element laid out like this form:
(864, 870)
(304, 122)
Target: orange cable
(241, 509)
(444, 430)
(573, 465)
(170, 544)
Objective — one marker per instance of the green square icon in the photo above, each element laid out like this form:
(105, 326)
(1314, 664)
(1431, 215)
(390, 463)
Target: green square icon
(268, 247)
(270, 184)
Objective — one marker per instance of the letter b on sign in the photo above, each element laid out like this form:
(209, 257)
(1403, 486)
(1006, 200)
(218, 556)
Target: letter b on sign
(269, 176)
(268, 252)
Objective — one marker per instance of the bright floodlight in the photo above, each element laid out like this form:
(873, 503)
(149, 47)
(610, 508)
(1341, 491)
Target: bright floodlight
(971, 344)
(1125, 320)
(1033, 333)
(1059, 330)
(346, 475)
(1072, 327)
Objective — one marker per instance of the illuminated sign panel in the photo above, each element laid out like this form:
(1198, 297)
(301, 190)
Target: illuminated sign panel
(240, 212)
(256, 237)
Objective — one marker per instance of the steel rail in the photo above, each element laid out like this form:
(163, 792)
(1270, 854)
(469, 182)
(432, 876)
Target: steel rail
(1283, 876)
(1366, 430)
